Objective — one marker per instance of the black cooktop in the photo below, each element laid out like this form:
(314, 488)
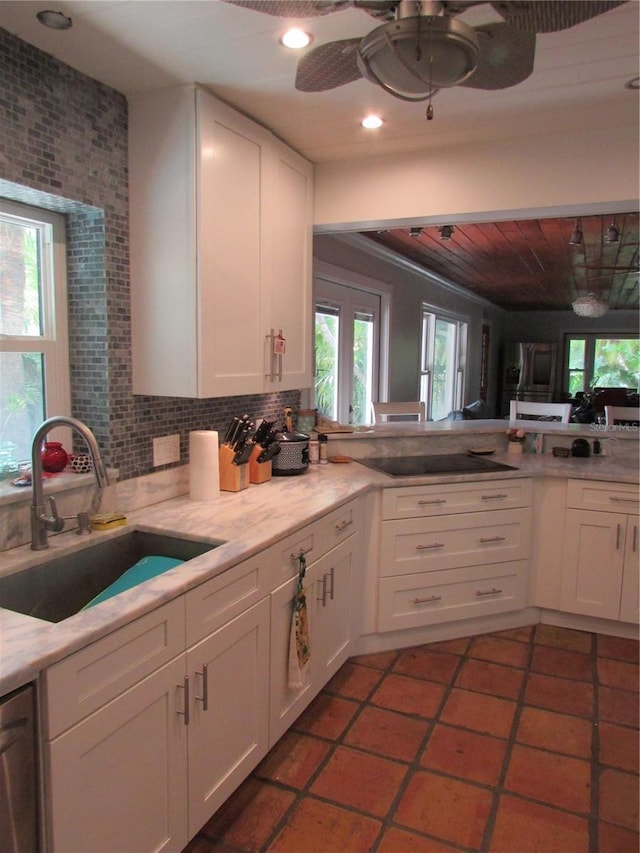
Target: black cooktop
(422, 466)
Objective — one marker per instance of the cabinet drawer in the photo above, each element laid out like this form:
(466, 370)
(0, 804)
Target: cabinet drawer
(428, 599)
(421, 501)
(86, 680)
(315, 540)
(607, 497)
(438, 544)
(212, 604)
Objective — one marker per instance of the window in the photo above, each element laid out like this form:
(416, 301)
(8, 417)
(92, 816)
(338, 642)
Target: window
(34, 362)
(442, 369)
(347, 335)
(604, 362)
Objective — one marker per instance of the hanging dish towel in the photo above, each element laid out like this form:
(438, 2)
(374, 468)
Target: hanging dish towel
(299, 649)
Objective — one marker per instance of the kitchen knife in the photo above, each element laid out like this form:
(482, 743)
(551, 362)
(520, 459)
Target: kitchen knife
(269, 453)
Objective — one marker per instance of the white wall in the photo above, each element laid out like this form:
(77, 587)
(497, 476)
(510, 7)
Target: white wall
(593, 170)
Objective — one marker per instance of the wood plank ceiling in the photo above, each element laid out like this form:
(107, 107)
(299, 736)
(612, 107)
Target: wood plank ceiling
(529, 264)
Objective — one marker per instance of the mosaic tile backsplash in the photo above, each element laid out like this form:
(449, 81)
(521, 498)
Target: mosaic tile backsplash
(63, 146)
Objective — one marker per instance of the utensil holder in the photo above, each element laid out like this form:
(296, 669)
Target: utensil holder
(259, 472)
(233, 478)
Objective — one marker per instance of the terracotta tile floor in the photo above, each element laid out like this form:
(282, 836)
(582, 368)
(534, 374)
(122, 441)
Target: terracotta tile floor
(523, 740)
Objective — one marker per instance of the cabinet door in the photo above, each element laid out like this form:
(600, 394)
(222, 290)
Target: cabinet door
(286, 704)
(117, 779)
(592, 576)
(231, 326)
(229, 724)
(287, 217)
(629, 606)
(331, 619)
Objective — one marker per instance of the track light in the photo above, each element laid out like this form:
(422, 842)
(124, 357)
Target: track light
(416, 231)
(576, 236)
(613, 234)
(445, 232)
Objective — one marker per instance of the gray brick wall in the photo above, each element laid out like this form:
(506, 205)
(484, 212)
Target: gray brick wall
(63, 146)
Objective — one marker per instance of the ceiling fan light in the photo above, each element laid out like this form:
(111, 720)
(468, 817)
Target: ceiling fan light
(295, 39)
(413, 57)
(576, 235)
(590, 306)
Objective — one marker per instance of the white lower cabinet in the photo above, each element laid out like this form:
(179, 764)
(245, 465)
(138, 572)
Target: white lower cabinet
(600, 574)
(453, 551)
(328, 587)
(228, 728)
(116, 780)
(148, 730)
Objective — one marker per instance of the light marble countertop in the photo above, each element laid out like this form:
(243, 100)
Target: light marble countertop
(248, 522)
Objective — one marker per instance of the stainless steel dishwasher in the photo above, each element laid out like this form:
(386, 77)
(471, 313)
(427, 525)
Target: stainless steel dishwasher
(18, 786)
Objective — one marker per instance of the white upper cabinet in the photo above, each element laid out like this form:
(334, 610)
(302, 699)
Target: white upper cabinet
(221, 249)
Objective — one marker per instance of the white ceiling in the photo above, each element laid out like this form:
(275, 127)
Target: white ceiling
(134, 45)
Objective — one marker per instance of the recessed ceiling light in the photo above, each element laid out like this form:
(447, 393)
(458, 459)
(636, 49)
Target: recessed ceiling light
(372, 122)
(54, 20)
(296, 38)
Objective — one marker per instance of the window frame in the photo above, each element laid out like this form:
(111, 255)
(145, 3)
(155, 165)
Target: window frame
(429, 317)
(589, 339)
(53, 343)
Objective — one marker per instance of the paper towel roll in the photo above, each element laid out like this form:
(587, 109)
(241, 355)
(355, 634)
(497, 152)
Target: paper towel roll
(204, 466)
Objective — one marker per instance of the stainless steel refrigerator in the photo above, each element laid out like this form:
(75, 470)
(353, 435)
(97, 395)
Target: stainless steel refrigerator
(528, 373)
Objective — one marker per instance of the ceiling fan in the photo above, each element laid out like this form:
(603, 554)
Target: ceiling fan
(422, 46)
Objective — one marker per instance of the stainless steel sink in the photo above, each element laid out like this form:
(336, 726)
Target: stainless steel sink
(59, 587)
(438, 464)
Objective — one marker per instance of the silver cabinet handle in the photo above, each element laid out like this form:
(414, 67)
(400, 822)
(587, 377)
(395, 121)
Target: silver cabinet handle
(343, 526)
(427, 600)
(205, 687)
(623, 500)
(323, 597)
(634, 547)
(495, 497)
(430, 503)
(429, 547)
(493, 591)
(330, 574)
(485, 539)
(185, 713)
(618, 531)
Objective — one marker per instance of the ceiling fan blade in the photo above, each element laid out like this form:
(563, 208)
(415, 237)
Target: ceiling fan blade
(506, 57)
(328, 66)
(541, 16)
(293, 8)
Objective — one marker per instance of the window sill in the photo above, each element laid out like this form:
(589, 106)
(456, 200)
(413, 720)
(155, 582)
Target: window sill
(53, 483)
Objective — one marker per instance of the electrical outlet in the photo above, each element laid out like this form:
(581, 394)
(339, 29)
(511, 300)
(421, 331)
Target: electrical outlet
(166, 449)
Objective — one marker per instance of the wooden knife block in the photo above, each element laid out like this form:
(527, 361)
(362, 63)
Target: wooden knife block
(259, 472)
(233, 478)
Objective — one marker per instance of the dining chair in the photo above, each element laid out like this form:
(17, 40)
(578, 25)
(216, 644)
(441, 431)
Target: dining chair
(409, 411)
(621, 414)
(547, 411)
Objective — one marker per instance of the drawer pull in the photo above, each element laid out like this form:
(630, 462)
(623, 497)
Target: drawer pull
(634, 547)
(323, 583)
(205, 687)
(618, 531)
(427, 600)
(429, 547)
(485, 539)
(185, 686)
(301, 553)
(623, 500)
(492, 591)
(430, 503)
(496, 497)
(343, 526)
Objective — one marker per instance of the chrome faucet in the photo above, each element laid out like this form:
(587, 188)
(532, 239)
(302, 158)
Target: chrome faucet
(41, 523)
